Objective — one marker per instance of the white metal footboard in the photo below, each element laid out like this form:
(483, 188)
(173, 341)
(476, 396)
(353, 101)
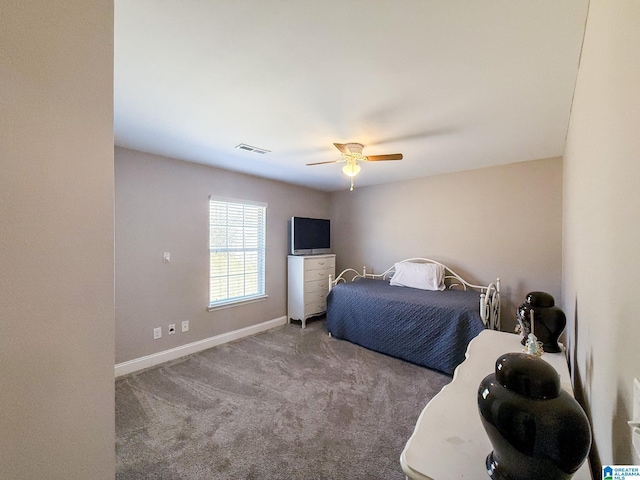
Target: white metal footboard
(490, 305)
(345, 274)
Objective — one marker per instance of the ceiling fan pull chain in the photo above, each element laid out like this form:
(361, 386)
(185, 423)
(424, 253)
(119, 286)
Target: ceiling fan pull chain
(351, 189)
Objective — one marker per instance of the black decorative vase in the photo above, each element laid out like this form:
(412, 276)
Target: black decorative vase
(537, 430)
(549, 320)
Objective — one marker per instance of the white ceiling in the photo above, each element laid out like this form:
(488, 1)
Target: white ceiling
(452, 84)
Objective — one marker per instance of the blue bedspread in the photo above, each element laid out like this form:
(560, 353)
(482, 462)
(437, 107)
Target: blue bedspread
(428, 328)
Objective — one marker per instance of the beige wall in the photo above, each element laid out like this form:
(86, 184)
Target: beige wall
(162, 206)
(56, 240)
(495, 222)
(602, 224)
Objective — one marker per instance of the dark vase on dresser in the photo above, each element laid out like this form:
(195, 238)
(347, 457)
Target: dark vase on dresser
(549, 321)
(537, 430)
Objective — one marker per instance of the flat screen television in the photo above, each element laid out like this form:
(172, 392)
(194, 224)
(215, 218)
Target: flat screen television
(310, 236)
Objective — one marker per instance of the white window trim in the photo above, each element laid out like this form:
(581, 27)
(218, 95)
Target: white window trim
(247, 299)
(233, 303)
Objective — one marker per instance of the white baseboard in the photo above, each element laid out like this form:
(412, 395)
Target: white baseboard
(154, 359)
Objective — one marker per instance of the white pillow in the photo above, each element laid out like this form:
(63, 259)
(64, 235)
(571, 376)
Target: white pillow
(425, 276)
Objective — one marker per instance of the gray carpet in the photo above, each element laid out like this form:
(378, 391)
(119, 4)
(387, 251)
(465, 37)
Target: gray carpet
(284, 404)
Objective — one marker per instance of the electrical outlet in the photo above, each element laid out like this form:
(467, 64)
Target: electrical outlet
(185, 326)
(157, 333)
(172, 329)
(166, 258)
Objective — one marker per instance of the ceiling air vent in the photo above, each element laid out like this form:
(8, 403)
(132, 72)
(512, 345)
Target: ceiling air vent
(249, 148)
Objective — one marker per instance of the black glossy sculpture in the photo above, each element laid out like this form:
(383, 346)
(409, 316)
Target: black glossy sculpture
(549, 320)
(537, 430)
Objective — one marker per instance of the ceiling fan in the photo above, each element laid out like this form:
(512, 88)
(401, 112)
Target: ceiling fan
(352, 154)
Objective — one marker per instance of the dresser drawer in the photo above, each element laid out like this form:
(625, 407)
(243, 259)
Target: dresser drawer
(314, 297)
(319, 263)
(315, 307)
(321, 274)
(317, 286)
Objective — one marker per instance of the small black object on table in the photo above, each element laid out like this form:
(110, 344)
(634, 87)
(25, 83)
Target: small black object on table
(549, 320)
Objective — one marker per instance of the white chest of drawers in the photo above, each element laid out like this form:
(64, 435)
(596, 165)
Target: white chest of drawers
(308, 285)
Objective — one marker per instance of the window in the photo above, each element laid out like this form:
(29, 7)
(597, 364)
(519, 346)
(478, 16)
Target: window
(236, 251)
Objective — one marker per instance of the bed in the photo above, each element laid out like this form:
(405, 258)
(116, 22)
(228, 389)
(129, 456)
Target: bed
(392, 314)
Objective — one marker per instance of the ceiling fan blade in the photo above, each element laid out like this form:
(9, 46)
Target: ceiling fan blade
(322, 163)
(343, 148)
(378, 158)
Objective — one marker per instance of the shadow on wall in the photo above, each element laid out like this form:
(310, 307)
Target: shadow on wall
(508, 310)
(582, 391)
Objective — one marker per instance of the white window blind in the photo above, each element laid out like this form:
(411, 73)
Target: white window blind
(236, 251)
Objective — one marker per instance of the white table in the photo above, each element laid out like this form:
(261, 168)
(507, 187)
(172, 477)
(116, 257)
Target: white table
(449, 441)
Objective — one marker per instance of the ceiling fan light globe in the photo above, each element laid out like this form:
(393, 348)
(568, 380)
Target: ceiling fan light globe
(351, 170)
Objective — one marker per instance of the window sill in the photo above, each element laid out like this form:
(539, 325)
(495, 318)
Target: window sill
(235, 303)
